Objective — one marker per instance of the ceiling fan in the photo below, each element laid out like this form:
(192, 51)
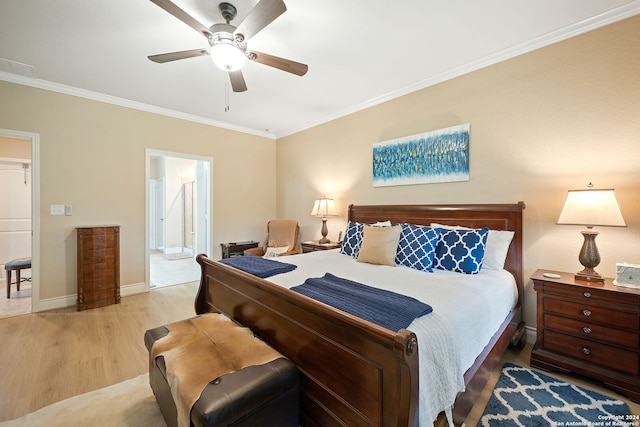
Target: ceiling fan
(229, 43)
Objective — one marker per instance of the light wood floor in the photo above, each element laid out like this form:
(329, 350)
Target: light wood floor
(50, 356)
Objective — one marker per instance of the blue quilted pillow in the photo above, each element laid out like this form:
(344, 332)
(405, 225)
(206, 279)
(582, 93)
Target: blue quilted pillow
(461, 250)
(352, 239)
(417, 246)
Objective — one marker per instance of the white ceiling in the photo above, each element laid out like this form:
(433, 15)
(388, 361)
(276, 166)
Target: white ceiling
(359, 52)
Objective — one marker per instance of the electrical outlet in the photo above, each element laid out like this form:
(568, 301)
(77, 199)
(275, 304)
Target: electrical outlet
(68, 210)
(57, 209)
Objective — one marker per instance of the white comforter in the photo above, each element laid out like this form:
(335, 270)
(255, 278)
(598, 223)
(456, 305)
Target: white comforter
(467, 308)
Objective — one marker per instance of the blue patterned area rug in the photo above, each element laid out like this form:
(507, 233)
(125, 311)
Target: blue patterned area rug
(523, 397)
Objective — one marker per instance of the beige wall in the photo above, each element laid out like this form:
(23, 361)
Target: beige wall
(542, 123)
(15, 148)
(92, 156)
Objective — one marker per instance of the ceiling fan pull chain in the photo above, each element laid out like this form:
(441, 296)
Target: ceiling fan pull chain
(226, 97)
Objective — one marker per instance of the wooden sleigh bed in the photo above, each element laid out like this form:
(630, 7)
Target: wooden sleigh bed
(355, 373)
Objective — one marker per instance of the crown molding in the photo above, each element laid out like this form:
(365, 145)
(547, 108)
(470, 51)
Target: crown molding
(96, 96)
(609, 17)
(628, 10)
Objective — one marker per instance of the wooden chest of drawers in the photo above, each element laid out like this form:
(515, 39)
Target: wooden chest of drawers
(592, 329)
(98, 266)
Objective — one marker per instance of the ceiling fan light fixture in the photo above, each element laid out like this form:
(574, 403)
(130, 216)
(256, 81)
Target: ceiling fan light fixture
(227, 56)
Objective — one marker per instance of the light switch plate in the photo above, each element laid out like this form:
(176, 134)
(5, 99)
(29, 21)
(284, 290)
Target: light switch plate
(68, 210)
(57, 209)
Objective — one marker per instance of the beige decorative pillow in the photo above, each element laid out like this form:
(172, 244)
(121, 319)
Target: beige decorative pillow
(379, 245)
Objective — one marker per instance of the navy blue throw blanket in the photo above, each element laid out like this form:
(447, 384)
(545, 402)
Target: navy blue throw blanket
(258, 266)
(384, 308)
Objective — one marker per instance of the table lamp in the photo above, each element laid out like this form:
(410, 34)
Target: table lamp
(323, 208)
(590, 208)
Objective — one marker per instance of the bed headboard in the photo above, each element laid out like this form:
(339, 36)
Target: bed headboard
(494, 216)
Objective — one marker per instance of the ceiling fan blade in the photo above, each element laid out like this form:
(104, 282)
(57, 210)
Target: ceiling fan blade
(174, 10)
(174, 56)
(237, 81)
(265, 12)
(287, 65)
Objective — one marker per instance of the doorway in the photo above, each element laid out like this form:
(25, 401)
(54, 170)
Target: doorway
(178, 216)
(19, 220)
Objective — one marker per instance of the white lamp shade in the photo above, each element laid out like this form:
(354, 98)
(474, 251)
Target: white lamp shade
(226, 56)
(324, 207)
(591, 207)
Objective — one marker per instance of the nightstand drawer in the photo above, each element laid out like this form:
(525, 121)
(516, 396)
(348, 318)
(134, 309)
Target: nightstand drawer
(592, 295)
(595, 314)
(593, 331)
(592, 352)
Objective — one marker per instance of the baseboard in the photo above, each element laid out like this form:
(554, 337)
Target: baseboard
(531, 334)
(136, 288)
(57, 303)
(72, 300)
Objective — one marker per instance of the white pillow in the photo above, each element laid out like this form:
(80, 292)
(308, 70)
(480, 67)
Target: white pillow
(386, 223)
(498, 242)
(274, 252)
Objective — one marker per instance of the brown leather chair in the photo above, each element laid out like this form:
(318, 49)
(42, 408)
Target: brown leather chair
(280, 233)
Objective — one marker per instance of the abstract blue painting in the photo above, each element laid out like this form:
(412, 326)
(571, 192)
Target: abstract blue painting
(437, 156)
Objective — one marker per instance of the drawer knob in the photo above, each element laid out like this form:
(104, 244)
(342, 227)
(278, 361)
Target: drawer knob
(586, 330)
(587, 294)
(586, 350)
(586, 313)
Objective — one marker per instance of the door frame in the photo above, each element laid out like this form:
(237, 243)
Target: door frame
(35, 211)
(149, 153)
(156, 230)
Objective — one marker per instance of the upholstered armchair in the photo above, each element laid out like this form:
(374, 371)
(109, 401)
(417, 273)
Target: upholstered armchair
(282, 239)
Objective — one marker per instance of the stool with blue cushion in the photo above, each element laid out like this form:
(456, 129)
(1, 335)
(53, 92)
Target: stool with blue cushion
(16, 265)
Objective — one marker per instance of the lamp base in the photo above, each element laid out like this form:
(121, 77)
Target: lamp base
(591, 276)
(589, 257)
(324, 232)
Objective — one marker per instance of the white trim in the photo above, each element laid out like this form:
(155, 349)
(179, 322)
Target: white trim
(58, 302)
(101, 97)
(149, 152)
(14, 160)
(35, 211)
(72, 300)
(531, 334)
(136, 288)
(609, 17)
(617, 14)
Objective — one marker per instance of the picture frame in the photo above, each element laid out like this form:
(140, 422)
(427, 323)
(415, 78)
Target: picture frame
(431, 157)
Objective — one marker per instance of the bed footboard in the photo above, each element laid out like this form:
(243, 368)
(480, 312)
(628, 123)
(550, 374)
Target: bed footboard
(353, 373)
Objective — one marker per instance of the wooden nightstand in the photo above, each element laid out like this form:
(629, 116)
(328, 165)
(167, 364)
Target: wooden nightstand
(592, 329)
(237, 248)
(315, 246)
